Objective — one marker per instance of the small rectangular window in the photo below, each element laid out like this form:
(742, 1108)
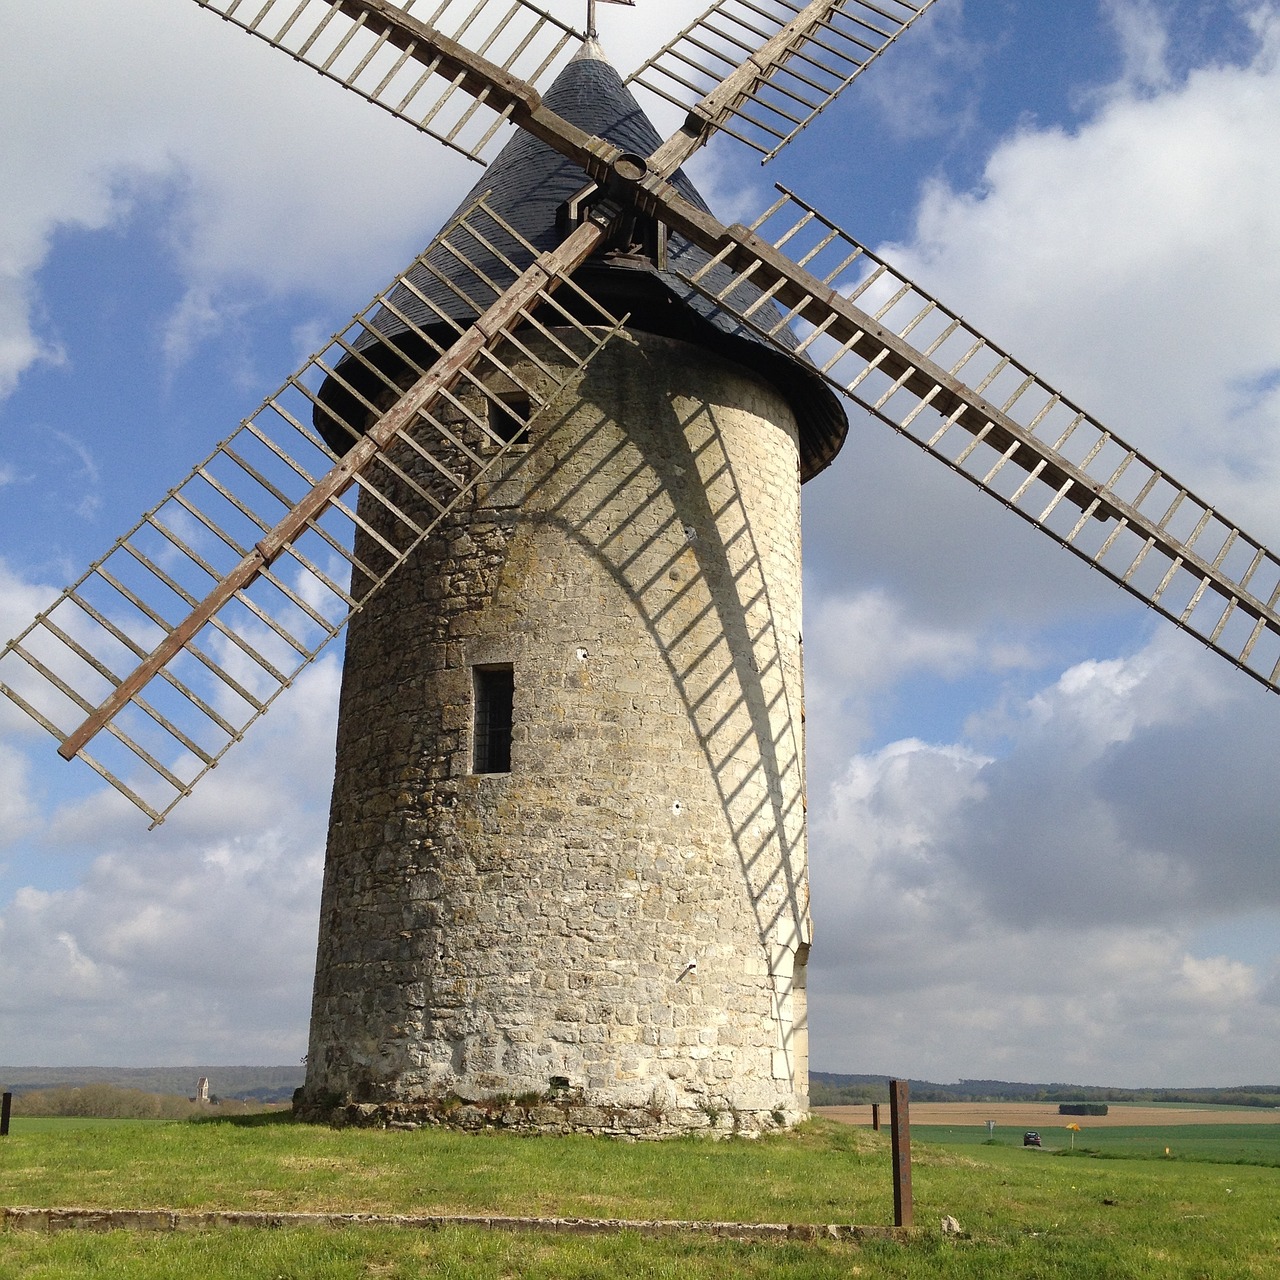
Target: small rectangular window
(494, 689)
(508, 416)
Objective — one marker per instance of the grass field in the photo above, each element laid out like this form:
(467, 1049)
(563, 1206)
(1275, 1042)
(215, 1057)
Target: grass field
(1208, 1143)
(1044, 1115)
(60, 1124)
(1222, 1135)
(1022, 1213)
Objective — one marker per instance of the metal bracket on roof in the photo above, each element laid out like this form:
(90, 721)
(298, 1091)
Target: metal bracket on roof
(615, 214)
(573, 213)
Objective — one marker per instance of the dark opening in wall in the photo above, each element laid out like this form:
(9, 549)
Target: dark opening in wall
(508, 415)
(494, 689)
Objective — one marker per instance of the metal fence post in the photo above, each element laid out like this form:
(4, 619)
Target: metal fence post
(6, 1106)
(875, 1116)
(900, 1125)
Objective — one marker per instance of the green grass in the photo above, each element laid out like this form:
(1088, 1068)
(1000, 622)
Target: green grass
(54, 1124)
(1204, 1143)
(348, 1255)
(1024, 1214)
(279, 1166)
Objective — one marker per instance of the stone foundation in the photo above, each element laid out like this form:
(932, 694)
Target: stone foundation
(548, 1117)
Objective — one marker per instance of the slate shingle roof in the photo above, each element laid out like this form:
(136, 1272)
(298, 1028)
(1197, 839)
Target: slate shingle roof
(527, 184)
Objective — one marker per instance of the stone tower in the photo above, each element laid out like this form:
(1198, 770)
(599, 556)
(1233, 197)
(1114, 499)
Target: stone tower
(566, 880)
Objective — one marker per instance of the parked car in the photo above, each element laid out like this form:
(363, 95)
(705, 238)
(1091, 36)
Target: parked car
(1031, 1138)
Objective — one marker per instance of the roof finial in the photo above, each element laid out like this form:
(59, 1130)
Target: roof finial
(592, 32)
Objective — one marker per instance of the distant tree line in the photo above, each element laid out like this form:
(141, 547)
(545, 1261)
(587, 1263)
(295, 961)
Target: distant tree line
(828, 1089)
(110, 1102)
(270, 1084)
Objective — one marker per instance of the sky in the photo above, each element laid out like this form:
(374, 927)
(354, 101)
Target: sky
(1042, 821)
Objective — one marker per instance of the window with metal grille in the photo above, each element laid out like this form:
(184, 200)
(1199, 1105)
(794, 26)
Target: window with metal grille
(494, 688)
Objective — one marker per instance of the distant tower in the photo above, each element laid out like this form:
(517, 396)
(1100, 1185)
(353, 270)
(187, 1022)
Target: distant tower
(567, 847)
(202, 1090)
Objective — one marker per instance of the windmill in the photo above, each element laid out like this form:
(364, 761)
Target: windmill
(435, 418)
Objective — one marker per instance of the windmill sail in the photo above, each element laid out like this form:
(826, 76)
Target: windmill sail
(761, 70)
(758, 71)
(189, 628)
(376, 49)
(110, 655)
(884, 342)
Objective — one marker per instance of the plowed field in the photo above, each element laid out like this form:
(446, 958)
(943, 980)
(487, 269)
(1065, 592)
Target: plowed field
(1044, 1115)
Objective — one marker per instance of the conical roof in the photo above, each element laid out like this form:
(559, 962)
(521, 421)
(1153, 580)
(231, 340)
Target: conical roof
(528, 183)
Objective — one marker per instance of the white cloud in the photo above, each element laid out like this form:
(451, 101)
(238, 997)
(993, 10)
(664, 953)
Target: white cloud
(1135, 260)
(1144, 40)
(194, 942)
(868, 640)
(166, 951)
(273, 181)
(20, 600)
(1039, 906)
(1119, 1007)
(18, 814)
(914, 86)
(861, 647)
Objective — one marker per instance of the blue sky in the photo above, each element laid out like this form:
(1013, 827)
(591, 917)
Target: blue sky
(1042, 822)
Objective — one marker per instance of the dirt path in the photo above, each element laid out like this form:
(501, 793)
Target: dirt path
(1044, 1115)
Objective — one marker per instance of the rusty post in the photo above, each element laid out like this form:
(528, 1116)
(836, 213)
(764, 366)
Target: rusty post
(875, 1116)
(900, 1125)
(6, 1106)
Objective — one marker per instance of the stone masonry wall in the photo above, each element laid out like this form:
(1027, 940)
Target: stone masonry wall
(527, 938)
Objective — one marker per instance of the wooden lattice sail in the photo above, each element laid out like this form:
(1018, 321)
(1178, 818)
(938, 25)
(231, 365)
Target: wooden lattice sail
(188, 629)
(379, 50)
(761, 70)
(918, 366)
(283, 576)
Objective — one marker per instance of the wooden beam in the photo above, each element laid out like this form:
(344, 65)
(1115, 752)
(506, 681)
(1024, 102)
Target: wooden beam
(900, 1127)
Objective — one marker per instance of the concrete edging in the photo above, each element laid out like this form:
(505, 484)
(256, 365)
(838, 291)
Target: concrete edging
(71, 1219)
